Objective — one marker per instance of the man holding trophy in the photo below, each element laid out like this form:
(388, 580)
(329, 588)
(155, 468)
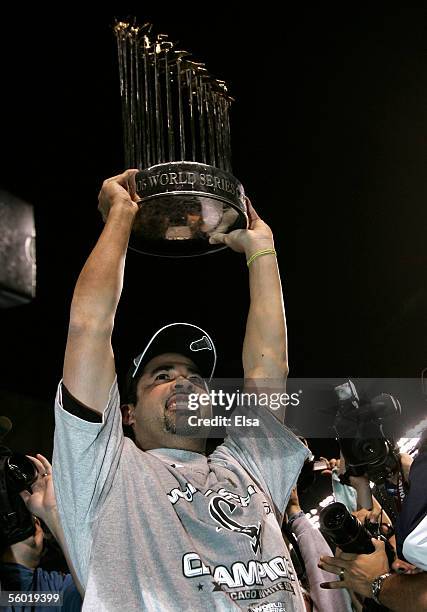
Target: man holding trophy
(155, 524)
(158, 525)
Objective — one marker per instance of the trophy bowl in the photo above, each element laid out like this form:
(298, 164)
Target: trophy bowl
(176, 129)
(182, 205)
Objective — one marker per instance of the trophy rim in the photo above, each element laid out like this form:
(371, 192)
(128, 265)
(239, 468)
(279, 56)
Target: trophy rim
(190, 161)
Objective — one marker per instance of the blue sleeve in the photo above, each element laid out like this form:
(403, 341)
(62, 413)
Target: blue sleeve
(414, 507)
(344, 493)
(72, 601)
(61, 583)
(16, 577)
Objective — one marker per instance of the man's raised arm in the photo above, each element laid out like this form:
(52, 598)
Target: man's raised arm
(265, 345)
(265, 352)
(89, 368)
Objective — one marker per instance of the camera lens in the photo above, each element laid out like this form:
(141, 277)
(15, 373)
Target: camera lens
(334, 518)
(369, 450)
(20, 472)
(344, 529)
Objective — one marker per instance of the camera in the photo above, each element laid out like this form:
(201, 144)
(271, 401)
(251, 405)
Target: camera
(17, 473)
(365, 448)
(350, 535)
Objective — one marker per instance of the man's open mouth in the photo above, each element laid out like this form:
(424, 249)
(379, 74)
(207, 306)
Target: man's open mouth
(178, 401)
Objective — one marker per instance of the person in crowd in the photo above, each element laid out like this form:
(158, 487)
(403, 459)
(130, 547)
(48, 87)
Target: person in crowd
(403, 586)
(20, 562)
(411, 526)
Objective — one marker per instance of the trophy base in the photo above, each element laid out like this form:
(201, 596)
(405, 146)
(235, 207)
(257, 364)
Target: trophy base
(182, 205)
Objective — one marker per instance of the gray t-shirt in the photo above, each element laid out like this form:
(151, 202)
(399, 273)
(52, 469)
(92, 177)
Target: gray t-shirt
(172, 530)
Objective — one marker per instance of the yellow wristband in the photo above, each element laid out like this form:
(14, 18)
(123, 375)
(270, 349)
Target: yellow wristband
(258, 253)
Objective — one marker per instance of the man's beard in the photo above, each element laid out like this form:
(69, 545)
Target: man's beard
(169, 422)
(177, 422)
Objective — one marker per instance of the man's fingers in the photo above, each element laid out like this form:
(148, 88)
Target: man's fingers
(252, 213)
(39, 465)
(228, 218)
(379, 544)
(336, 584)
(218, 239)
(25, 496)
(45, 462)
(333, 569)
(339, 554)
(373, 516)
(340, 563)
(122, 178)
(132, 184)
(328, 463)
(403, 567)
(126, 180)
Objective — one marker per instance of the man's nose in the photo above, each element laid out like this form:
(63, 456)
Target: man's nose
(182, 384)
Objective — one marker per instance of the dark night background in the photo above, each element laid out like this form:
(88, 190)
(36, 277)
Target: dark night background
(328, 134)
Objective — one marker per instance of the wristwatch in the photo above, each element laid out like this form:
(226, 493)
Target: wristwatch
(376, 587)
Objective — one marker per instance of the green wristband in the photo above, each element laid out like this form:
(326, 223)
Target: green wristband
(259, 253)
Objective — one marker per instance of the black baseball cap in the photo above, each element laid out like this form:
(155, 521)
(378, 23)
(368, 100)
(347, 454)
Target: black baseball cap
(183, 338)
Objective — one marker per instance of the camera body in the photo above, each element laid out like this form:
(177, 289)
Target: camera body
(17, 473)
(364, 446)
(359, 428)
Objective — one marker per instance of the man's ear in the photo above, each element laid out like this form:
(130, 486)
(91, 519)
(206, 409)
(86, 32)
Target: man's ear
(128, 414)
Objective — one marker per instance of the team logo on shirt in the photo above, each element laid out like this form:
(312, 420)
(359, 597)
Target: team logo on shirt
(252, 574)
(176, 494)
(217, 510)
(222, 505)
(188, 493)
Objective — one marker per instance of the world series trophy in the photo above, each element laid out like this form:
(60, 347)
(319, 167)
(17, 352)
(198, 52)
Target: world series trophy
(177, 133)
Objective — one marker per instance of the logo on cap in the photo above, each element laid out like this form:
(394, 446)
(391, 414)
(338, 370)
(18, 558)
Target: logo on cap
(201, 345)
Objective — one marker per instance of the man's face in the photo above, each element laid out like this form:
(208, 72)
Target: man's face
(38, 537)
(160, 416)
(32, 548)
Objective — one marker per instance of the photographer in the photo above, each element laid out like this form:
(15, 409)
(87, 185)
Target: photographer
(411, 527)
(357, 495)
(19, 567)
(371, 575)
(367, 451)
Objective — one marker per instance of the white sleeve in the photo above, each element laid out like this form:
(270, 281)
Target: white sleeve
(270, 452)
(415, 546)
(85, 460)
